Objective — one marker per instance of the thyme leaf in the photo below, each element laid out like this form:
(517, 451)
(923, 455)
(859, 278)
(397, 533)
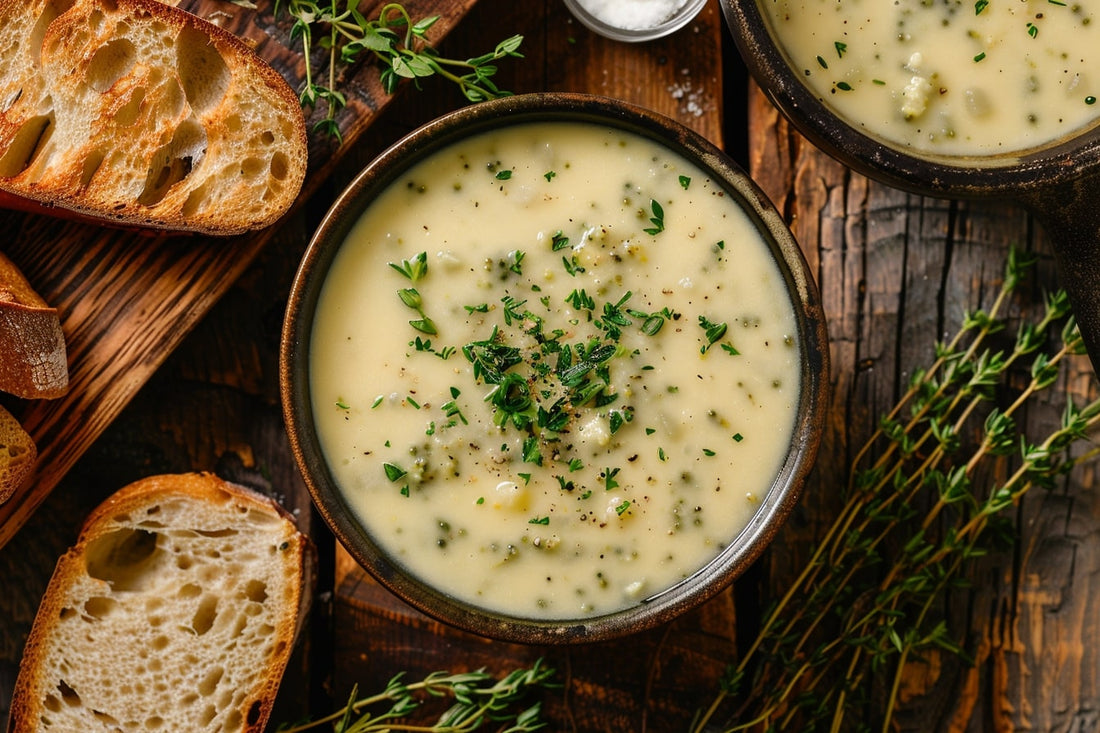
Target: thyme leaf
(394, 40)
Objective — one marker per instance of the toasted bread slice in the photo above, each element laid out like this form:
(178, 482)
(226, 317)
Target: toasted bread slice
(176, 610)
(142, 114)
(17, 454)
(33, 359)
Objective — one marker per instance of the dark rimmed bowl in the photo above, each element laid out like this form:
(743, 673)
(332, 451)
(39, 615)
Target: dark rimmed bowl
(295, 384)
(1058, 183)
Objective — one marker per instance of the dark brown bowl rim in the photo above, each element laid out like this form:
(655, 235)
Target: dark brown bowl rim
(1011, 175)
(294, 387)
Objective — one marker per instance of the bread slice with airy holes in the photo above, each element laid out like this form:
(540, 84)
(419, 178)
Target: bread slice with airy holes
(33, 359)
(176, 610)
(17, 454)
(142, 114)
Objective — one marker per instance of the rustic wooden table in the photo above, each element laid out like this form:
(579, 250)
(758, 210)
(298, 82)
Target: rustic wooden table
(896, 273)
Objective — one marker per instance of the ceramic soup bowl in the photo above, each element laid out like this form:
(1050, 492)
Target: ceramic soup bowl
(554, 369)
(1057, 181)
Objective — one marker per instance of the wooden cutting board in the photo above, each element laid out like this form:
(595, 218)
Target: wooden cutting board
(126, 299)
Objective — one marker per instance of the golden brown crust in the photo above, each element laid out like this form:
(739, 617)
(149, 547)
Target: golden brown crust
(33, 359)
(143, 505)
(143, 115)
(17, 454)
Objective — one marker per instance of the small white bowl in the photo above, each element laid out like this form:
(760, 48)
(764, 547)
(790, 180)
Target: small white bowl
(618, 25)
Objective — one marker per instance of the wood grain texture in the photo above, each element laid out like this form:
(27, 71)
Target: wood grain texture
(897, 272)
(127, 299)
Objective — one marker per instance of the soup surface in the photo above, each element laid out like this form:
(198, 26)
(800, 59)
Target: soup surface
(948, 76)
(554, 369)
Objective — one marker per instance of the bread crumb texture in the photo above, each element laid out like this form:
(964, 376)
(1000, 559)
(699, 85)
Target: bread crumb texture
(141, 113)
(175, 612)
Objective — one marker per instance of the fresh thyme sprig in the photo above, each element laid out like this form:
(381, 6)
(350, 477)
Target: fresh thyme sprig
(478, 699)
(867, 601)
(398, 43)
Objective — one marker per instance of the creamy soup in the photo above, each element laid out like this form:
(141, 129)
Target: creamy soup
(949, 77)
(554, 369)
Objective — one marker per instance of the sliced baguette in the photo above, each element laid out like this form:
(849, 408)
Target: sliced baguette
(176, 610)
(142, 114)
(17, 454)
(33, 360)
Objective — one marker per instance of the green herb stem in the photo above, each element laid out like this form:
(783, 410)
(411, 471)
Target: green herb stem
(869, 590)
(393, 39)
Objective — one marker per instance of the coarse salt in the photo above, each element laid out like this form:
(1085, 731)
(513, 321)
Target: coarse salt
(632, 14)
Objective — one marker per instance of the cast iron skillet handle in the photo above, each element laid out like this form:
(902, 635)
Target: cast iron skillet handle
(1070, 215)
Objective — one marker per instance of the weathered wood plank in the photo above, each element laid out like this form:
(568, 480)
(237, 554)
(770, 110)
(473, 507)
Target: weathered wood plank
(897, 272)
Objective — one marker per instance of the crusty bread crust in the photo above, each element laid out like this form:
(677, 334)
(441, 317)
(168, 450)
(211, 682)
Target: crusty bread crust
(144, 115)
(17, 454)
(177, 609)
(33, 359)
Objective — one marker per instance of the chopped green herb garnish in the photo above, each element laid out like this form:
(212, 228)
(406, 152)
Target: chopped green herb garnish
(411, 298)
(517, 260)
(549, 175)
(840, 48)
(658, 218)
(344, 405)
(738, 437)
(393, 471)
(621, 509)
(708, 452)
(504, 175)
(980, 5)
(452, 411)
(979, 57)
(424, 325)
(558, 241)
(580, 300)
(377, 402)
(685, 182)
(526, 477)
(491, 358)
(539, 520)
(415, 268)
(712, 332)
(512, 400)
(571, 265)
(844, 86)
(609, 481)
(531, 453)
(618, 418)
